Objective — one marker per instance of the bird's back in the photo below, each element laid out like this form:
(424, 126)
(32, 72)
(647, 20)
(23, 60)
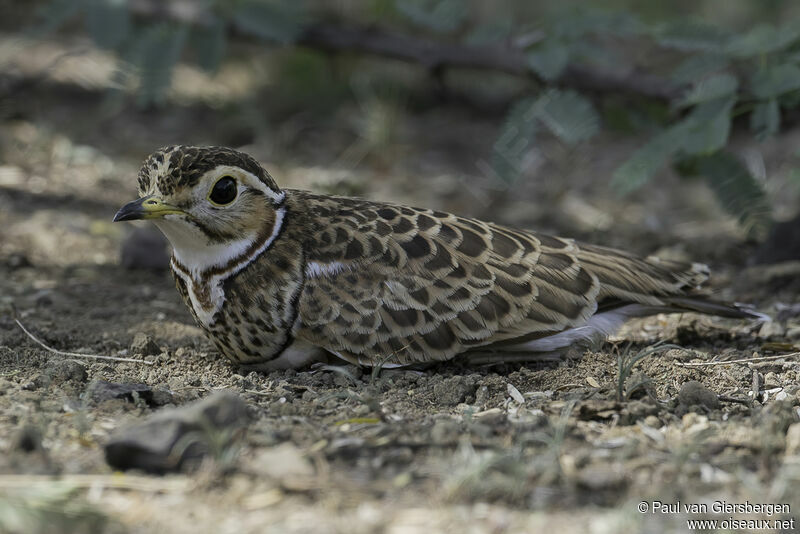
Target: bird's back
(398, 285)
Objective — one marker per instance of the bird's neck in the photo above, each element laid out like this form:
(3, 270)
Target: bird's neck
(203, 267)
(216, 257)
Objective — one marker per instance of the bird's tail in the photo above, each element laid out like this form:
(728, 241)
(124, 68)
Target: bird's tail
(656, 285)
(703, 304)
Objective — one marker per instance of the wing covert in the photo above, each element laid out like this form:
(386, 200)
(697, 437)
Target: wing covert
(404, 285)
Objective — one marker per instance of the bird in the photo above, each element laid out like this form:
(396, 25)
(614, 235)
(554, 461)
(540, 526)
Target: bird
(282, 278)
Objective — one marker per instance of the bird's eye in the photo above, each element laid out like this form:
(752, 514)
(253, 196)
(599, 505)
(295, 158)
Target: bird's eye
(224, 191)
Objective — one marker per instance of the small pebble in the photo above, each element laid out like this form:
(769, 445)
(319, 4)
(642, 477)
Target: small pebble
(693, 393)
(652, 421)
(454, 390)
(771, 329)
(144, 345)
(66, 371)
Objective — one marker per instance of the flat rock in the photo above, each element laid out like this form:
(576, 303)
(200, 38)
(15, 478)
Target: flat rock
(150, 445)
(103, 390)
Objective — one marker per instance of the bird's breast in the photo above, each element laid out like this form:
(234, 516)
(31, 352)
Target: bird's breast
(205, 296)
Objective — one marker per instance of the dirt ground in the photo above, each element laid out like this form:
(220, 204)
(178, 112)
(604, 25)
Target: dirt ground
(498, 448)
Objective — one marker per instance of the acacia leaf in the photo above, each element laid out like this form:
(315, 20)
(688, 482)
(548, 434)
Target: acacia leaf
(568, 115)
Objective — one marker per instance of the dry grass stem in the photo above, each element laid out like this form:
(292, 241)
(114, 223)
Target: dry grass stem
(77, 354)
(742, 360)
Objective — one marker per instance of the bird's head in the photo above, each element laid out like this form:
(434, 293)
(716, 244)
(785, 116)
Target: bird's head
(212, 203)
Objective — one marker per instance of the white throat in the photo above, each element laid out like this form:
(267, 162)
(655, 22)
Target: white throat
(190, 248)
(193, 256)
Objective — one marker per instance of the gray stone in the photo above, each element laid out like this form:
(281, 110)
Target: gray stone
(177, 438)
(161, 397)
(771, 330)
(454, 390)
(145, 345)
(102, 390)
(61, 371)
(482, 396)
(693, 393)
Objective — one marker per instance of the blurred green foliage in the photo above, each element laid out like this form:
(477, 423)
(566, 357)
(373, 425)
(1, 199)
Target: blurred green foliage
(721, 71)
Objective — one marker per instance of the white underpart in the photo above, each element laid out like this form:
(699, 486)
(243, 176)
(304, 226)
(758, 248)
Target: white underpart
(298, 354)
(367, 361)
(196, 256)
(600, 325)
(758, 316)
(315, 269)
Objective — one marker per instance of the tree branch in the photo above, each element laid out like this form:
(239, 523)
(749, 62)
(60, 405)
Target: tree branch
(431, 54)
(436, 55)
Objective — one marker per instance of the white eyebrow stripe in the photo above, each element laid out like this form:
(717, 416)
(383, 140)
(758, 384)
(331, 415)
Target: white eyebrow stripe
(250, 179)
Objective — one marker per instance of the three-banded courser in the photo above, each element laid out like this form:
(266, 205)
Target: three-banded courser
(277, 277)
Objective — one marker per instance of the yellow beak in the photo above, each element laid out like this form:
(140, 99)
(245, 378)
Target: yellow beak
(148, 207)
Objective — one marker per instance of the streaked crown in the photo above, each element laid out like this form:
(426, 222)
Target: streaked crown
(175, 167)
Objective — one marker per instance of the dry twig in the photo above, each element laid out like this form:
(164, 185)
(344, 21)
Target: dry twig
(77, 354)
(742, 360)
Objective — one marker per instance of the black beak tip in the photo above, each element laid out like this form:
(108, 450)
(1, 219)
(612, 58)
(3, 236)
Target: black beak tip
(122, 216)
(130, 211)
